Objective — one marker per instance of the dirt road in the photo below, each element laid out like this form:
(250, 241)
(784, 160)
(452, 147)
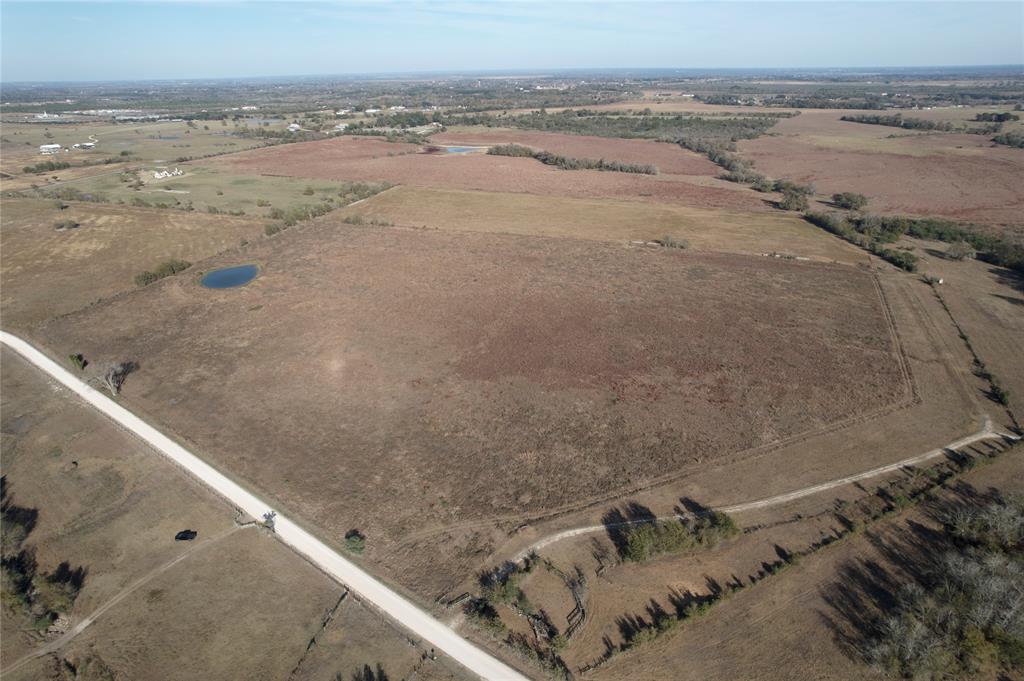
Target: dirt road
(987, 432)
(371, 590)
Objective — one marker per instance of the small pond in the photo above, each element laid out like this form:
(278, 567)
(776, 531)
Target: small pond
(230, 277)
(462, 150)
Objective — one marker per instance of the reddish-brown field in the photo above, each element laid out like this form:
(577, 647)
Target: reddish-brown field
(333, 159)
(424, 378)
(669, 158)
(959, 176)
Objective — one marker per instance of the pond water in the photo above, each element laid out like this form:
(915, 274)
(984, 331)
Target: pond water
(230, 277)
(462, 150)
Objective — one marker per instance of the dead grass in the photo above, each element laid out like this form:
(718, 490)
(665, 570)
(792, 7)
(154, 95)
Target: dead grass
(703, 229)
(436, 375)
(241, 605)
(964, 177)
(45, 272)
(333, 159)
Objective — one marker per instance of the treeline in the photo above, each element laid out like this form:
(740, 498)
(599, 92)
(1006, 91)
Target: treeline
(569, 163)
(849, 228)
(165, 269)
(966, 611)
(898, 121)
(870, 231)
(349, 193)
(40, 596)
(45, 167)
(796, 102)
(997, 117)
(1010, 139)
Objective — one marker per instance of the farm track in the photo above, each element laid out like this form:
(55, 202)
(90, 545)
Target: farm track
(372, 591)
(58, 643)
(987, 432)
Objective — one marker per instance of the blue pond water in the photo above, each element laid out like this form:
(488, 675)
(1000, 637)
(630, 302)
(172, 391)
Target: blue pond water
(460, 150)
(229, 277)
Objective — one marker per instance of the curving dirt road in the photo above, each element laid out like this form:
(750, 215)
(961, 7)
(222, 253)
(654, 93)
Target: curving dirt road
(987, 432)
(398, 608)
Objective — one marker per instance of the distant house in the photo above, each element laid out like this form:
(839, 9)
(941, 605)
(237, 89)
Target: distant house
(341, 112)
(372, 111)
(340, 127)
(294, 127)
(48, 149)
(396, 108)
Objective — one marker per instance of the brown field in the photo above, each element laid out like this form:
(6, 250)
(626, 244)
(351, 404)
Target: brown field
(669, 158)
(387, 348)
(238, 604)
(45, 272)
(702, 229)
(333, 160)
(964, 177)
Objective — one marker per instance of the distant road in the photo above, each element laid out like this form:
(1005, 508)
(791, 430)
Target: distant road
(400, 609)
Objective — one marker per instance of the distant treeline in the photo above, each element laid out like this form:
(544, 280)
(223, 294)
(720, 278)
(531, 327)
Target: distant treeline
(997, 117)
(898, 121)
(870, 231)
(714, 136)
(569, 163)
(797, 102)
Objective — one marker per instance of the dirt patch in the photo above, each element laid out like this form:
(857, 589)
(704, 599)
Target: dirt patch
(330, 160)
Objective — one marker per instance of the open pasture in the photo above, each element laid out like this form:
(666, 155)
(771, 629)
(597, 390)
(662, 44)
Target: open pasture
(46, 272)
(333, 159)
(601, 219)
(449, 377)
(958, 176)
(669, 158)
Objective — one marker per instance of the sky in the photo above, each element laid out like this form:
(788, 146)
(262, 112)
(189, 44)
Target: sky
(86, 41)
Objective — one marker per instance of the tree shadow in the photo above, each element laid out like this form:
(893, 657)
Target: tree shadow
(617, 523)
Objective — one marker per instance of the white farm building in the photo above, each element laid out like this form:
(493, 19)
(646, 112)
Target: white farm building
(48, 149)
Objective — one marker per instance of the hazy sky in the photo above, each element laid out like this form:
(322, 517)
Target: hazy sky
(106, 41)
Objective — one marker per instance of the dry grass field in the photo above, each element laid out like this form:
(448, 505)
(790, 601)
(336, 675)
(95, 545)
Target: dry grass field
(670, 159)
(424, 378)
(606, 220)
(958, 176)
(46, 272)
(238, 604)
(345, 159)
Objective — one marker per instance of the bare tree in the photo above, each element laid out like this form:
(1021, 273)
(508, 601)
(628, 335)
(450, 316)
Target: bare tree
(113, 377)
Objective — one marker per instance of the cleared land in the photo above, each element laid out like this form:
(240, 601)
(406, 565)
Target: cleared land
(238, 604)
(437, 375)
(345, 158)
(703, 229)
(46, 272)
(959, 176)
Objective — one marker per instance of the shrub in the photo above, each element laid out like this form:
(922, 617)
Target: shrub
(961, 250)
(793, 200)
(165, 269)
(673, 242)
(272, 228)
(355, 542)
(308, 191)
(262, 203)
(65, 224)
(78, 361)
(850, 201)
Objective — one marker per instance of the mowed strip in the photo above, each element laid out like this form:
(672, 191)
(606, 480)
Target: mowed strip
(605, 220)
